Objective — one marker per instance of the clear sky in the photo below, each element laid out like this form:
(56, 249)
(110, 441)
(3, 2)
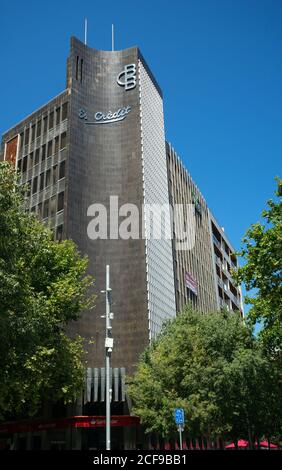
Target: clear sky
(218, 62)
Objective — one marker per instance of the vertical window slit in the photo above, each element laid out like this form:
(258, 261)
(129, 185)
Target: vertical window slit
(76, 68)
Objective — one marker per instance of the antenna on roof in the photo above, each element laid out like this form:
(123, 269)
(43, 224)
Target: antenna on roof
(85, 31)
(113, 38)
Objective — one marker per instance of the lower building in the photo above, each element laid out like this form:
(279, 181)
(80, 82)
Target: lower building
(204, 257)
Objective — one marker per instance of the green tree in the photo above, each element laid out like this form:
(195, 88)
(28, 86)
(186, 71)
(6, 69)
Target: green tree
(212, 366)
(263, 272)
(43, 287)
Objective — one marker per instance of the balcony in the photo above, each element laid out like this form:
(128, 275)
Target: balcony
(218, 261)
(234, 299)
(216, 242)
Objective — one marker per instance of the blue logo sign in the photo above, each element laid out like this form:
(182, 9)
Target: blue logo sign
(179, 416)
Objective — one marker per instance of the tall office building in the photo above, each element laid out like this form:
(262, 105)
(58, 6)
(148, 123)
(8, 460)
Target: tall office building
(104, 137)
(102, 141)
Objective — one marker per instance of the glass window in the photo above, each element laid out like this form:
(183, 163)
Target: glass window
(51, 120)
(46, 209)
(19, 165)
(59, 233)
(57, 144)
(26, 137)
(32, 133)
(39, 210)
(24, 163)
(63, 140)
(21, 140)
(58, 112)
(34, 185)
(48, 178)
(41, 185)
(49, 149)
(43, 152)
(30, 161)
(53, 206)
(45, 124)
(54, 174)
(61, 197)
(64, 111)
(37, 154)
(38, 130)
(62, 169)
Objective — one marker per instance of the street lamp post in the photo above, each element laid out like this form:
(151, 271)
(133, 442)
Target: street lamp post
(109, 342)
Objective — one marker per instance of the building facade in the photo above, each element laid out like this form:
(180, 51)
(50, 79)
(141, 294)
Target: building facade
(101, 142)
(202, 272)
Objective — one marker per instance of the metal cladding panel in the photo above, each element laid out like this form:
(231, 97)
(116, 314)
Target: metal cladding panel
(159, 260)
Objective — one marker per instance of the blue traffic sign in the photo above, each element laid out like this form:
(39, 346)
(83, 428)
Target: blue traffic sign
(179, 416)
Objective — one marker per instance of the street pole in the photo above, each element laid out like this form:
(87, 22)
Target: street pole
(180, 429)
(108, 348)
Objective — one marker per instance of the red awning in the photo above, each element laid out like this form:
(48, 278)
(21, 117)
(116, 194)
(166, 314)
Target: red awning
(70, 422)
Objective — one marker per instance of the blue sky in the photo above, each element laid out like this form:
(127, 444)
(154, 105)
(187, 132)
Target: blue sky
(218, 62)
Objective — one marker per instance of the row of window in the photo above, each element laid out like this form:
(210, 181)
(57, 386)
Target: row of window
(49, 207)
(51, 176)
(47, 123)
(46, 150)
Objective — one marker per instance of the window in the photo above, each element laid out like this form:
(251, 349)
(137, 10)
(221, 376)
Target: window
(30, 161)
(64, 111)
(26, 137)
(58, 112)
(49, 149)
(76, 68)
(39, 209)
(61, 197)
(54, 174)
(51, 120)
(63, 140)
(53, 206)
(24, 163)
(21, 140)
(59, 233)
(48, 178)
(34, 185)
(46, 209)
(43, 152)
(33, 133)
(45, 124)
(19, 165)
(56, 145)
(62, 169)
(38, 130)
(37, 154)
(41, 183)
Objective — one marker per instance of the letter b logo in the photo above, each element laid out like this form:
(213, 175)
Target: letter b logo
(127, 77)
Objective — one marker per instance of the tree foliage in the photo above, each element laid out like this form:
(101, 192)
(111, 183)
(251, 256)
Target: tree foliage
(43, 287)
(263, 271)
(212, 366)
